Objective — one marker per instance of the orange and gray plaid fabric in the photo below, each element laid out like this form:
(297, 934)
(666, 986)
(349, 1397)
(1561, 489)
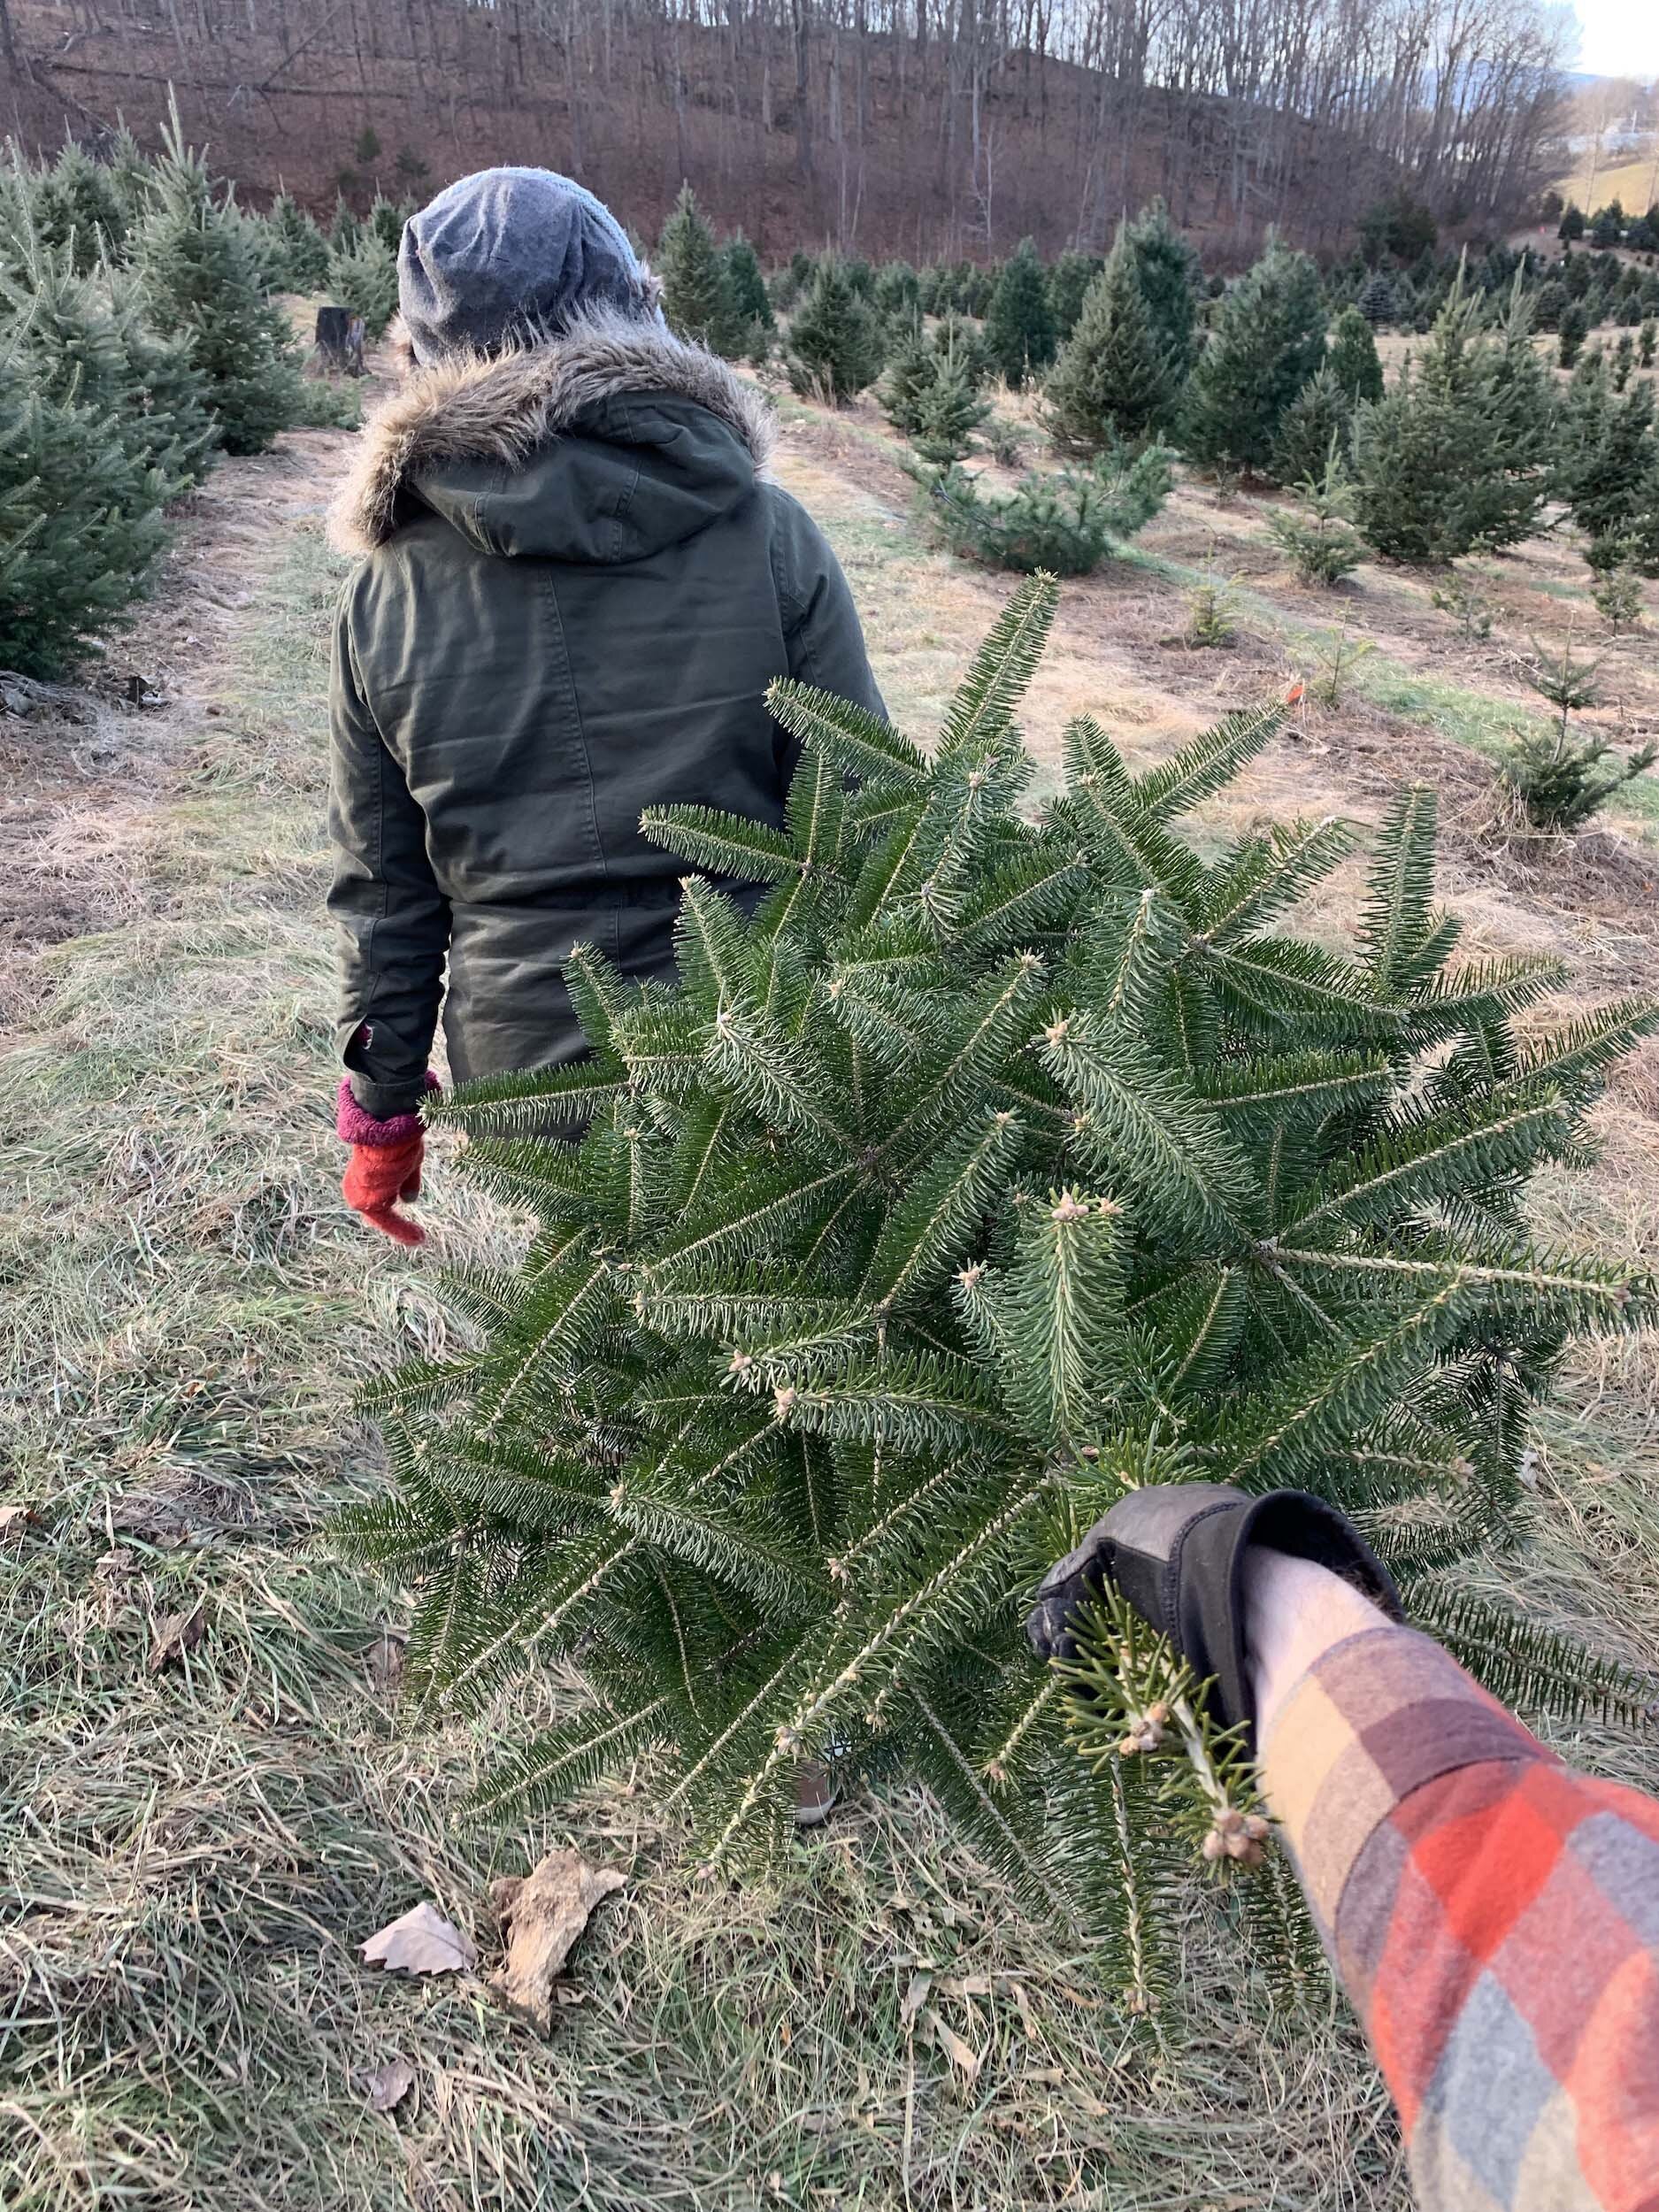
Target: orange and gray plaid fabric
(1494, 1918)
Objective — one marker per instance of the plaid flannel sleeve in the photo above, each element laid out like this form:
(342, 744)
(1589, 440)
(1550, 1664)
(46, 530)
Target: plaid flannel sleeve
(1494, 1918)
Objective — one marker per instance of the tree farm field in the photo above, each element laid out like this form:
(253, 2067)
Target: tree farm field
(209, 1794)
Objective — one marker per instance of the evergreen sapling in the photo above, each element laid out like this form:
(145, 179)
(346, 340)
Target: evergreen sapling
(1315, 425)
(1064, 525)
(202, 282)
(834, 348)
(948, 413)
(1113, 382)
(1171, 276)
(1019, 322)
(696, 295)
(1321, 543)
(1268, 340)
(363, 278)
(1353, 360)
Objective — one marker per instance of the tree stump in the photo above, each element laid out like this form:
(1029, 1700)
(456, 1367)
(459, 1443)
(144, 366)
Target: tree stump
(340, 341)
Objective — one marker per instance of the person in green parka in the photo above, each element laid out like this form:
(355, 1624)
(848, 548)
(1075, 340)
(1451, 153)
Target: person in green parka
(576, 583)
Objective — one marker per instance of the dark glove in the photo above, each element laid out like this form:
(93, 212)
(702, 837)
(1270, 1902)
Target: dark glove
(1176, 1551)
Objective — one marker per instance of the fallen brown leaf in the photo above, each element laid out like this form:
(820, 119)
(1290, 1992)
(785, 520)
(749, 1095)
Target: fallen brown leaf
(915, 1998)
(180, 1633)
(14, 1519)
(390, 2084)
(961, 2056)
(420, 1941)
(543, 1914)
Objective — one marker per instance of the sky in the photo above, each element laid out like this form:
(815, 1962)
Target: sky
(1621, 37)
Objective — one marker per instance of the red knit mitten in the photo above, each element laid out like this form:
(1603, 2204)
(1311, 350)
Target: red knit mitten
(384, 1167)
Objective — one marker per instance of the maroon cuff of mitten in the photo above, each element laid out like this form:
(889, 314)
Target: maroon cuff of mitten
(353, 1124)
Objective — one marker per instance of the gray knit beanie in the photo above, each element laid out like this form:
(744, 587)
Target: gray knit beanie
(511, 254)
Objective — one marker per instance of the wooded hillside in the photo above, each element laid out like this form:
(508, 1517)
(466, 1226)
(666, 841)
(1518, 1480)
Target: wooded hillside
(923, 128)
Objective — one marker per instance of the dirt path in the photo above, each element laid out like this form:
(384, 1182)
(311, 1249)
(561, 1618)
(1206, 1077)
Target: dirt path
(199, 1849)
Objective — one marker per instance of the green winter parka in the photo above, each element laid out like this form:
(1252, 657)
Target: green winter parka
(576, 584)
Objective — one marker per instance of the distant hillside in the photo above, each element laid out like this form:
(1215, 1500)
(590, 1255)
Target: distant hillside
(920, 128)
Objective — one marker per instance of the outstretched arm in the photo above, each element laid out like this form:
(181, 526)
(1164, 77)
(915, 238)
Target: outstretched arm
(1493, 1916)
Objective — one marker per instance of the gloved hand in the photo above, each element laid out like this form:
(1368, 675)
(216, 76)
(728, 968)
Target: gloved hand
(1176, 1551)
(385, 1165)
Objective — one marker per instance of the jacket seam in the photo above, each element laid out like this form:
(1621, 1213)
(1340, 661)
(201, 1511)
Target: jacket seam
(624, 498)
(793, 607)
(379, 862)
(558, 612)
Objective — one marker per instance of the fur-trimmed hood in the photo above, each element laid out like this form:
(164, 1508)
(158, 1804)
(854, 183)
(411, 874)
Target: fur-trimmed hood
(456, 434)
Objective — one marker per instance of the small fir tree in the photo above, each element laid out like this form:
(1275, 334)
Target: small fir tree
(1524, 410)
(84, 342)
(1550, 305)
(1316, 422)
(1172, 276)
(346, 227)
(1376, 301)
(964, 339)
(910, 368)
(78, 205)
(201, 281)
(1018, 321)
(1112, 383)
(835, 350)
(1647, 342)
(132, 176)
(755, 326)
(696, 298)
(1562, 784)
(386, 219)
(1617, 594)
(1268, 340)
(991, 1168)
(897, 291)
(1460, 595)
(1454, 455)
(948, 413)
(1064, 524)
(1354, 360)
(1068, 281)
(1607, 467)
(81, 524)
(304, 248)
(1336, 656)
(1212, 605)
(1321, 543)
(1573, 329)
(365, 279)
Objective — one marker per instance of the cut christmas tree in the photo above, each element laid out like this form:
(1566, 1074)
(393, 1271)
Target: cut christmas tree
(990, 1166)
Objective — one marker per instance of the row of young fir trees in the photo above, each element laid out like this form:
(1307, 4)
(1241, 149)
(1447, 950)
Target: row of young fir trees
(139, 338)
(1463, 452)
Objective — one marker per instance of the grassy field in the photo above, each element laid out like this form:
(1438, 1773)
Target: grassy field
(1633, 184)
(193, 1851)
